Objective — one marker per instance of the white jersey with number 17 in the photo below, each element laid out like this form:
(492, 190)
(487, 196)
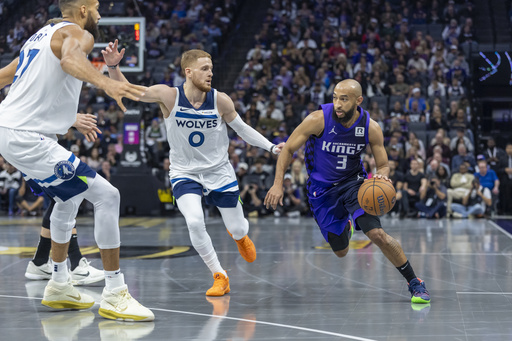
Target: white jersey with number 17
(42, 98)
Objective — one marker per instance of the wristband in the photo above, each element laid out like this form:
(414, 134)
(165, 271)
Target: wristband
(112, 66)
(272, 148)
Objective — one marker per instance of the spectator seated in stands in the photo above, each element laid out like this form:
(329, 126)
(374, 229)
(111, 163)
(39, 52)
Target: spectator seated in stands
(292, 201)
(10, 182)
(282, 136)
(463, 157)
(415, 114)
(436, 89)
(433, 200)
(397, 112)
(414, 141)
(394, 154)
(460, 184)
(460, 120)
(486, 176)
(436, 119)
(474, 203)
(416, 96)
(156, 138)
(439, 142)
(455, 89)
(399, 88)
(28, 202)
(461, 138)
(494, 155)
(252, 195)
(398, 181)
(415, 183)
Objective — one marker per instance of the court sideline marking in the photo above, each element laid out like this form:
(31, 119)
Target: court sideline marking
(498, 227)
(351, 337)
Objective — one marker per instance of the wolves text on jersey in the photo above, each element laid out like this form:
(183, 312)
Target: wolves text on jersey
(197, 124)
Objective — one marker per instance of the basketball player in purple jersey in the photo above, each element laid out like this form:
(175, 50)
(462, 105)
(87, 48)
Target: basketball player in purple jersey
(335, 136)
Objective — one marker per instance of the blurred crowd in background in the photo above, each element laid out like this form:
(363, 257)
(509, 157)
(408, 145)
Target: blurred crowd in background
(410, 57)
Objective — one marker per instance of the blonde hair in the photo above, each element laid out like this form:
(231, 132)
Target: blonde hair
(298, 179)
(190, 57)
(53, 21)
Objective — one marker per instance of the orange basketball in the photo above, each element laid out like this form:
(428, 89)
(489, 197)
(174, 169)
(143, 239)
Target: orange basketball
(376, 196)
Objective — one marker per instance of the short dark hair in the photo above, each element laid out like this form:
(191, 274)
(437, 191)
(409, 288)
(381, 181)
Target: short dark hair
(64, 4)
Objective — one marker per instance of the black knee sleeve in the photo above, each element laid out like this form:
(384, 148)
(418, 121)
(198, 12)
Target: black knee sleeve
(47, 214)
(340, 242)
(368, 222)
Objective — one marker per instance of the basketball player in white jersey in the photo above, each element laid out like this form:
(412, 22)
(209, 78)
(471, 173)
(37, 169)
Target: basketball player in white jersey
(195, 117)
(43, 100)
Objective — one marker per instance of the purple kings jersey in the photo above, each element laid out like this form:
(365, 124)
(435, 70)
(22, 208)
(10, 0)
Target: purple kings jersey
(335, 156)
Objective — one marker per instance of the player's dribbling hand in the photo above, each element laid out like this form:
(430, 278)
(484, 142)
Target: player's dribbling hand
(383, 177)
(273, 197)
(111, 55)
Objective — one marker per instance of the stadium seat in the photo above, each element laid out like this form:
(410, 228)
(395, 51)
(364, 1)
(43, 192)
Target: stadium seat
(417, 126)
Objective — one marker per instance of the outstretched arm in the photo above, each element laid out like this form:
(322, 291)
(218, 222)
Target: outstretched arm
(72, 45)
(313, 124)
(160, 93)
(249, 134)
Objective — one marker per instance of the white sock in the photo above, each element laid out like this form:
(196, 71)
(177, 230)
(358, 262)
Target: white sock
(209, 256)
(60, 271)
(113, 279)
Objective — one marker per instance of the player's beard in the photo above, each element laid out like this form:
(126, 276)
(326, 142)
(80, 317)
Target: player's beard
(91, 26)
(201, 86)
(348, 115)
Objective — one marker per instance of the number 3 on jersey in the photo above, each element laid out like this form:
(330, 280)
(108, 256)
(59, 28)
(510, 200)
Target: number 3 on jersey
(342, 164)
(31, 55)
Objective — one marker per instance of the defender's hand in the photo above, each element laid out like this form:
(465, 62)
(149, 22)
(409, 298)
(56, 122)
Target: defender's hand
(111, 55)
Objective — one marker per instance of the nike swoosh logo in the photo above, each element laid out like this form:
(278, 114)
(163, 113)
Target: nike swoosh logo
(84, 275)
(46, 272)
(183, 109)
(78, 298)
(403, 268)
(123, 308)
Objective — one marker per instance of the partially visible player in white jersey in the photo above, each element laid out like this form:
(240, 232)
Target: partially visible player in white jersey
(195, 117)
(42, 102)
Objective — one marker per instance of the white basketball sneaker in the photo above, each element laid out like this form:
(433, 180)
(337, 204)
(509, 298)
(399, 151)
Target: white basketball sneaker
(118, 304)
(39, 272)
(85, 274)
(65, 296)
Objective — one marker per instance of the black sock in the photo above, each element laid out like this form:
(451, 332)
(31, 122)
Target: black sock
(407, 271)
(74, 253)
(43, 251)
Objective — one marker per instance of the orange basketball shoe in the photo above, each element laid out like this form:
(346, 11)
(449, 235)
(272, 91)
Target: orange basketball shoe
(220, 285)
(246, 248)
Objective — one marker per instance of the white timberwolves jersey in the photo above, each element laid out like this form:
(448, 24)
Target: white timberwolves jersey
(42, 98)
(198, 137)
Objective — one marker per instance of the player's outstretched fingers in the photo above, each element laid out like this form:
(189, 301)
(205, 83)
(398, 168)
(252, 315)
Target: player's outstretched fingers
(134, 92)
(120, 103)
